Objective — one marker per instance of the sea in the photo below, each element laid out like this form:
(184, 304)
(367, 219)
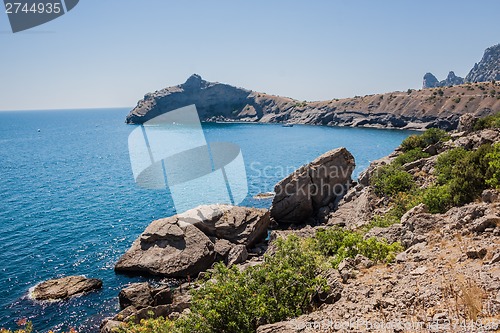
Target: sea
(69, 204)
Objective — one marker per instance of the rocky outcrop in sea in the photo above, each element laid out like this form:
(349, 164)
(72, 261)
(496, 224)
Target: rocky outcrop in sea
(65, 287)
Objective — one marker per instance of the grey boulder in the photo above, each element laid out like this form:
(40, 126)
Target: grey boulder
(301, 194)
(59, 289)
(170, 248)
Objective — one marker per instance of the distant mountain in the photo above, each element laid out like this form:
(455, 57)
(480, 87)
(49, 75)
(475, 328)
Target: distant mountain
(486, 70)
(409, 110)
(430, 81)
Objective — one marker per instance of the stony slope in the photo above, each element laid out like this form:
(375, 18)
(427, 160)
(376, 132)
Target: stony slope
(406, 110)
(446, 280)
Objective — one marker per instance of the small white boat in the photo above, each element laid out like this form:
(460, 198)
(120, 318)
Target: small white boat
(287, 125)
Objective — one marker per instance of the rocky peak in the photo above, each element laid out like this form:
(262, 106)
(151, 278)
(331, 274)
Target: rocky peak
(488, 68)
(194, 82)
(452, 79)
(430, 81)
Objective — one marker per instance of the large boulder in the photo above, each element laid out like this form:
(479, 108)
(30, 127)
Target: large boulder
(136, 294)
(189, 243)
(318, 184)
(58, 289)
(239, 225)
(168, 247)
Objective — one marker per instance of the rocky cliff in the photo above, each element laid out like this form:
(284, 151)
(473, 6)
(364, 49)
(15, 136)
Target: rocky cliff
(486, 70)
(405, 110)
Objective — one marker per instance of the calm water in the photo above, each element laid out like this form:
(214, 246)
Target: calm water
(69, 204)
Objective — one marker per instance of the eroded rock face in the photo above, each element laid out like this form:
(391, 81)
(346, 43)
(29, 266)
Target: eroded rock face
(488, 68)
(189, 243)
(239, 225)
(59, 289)
(313, 186)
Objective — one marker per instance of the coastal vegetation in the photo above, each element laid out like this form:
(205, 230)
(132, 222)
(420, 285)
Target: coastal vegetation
(460, 175)
(284, 286)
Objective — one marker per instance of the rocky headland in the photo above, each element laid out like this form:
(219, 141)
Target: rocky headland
(441, 272)
(412, 109)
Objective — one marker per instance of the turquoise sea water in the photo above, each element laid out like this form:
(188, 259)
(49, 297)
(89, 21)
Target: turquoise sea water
(69, 204)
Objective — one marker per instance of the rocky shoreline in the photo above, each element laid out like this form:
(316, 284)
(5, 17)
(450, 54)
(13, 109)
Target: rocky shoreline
(413, 109)
(463, 242)
(448, 271)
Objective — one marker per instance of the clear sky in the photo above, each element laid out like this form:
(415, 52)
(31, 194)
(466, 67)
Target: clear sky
(109, 53)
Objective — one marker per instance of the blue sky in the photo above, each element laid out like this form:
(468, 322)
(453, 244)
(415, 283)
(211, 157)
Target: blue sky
(109, 53)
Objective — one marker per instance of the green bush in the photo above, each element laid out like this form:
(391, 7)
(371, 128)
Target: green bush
(339, 244)
(437, 198)
(447, 161)
(411, 156)
(156, 325)
(429, 137)
(465, 172)
(492, 121)
(282, 287)
(493, 159)
(391, 179)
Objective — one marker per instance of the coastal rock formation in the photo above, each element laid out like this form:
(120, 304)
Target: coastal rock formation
(168, 247)
(488, 68)
(319, 184)
(59, 289)
(405, 110)
(143, 301)
(189, 243)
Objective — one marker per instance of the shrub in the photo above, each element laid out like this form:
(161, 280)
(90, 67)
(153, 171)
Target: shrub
(437, 198)
(156, 325)
(391, 179)
(493, 173)
(281, 287)
(429, 137)
(339, 244)
(446, 161)
(492, 121)
(410, 156)
(465, 172)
